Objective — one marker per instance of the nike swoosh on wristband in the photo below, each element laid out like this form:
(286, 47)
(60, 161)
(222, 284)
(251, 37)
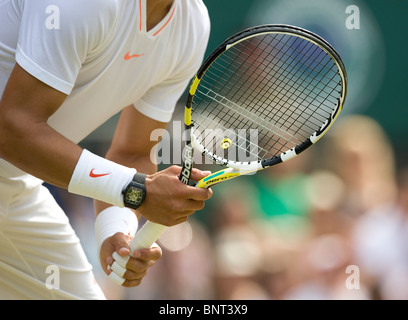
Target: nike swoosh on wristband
(128, 56)
(92, 174)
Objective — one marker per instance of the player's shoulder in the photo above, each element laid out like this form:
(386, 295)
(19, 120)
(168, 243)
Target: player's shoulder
(76, 13)
(105, 7)
(198, 11)
(196, 5)
(101, 10)
(90, 20)
(196, 16)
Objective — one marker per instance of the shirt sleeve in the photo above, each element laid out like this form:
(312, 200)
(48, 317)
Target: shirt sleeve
(54, 39)
(160, 101)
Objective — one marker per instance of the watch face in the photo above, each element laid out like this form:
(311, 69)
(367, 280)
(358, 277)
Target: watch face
(134, 195)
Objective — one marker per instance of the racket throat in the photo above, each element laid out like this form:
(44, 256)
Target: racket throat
(187, 164)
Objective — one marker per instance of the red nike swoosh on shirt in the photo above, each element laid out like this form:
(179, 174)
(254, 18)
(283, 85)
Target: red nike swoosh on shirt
(96, 175)
(128, 56)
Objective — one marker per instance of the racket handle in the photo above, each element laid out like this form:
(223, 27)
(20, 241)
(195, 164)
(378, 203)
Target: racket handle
(143, 239)
(147, 236)
(150, 232)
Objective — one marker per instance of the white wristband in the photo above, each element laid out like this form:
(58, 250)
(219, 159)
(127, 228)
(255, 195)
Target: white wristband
(113, 220)
(100, 179)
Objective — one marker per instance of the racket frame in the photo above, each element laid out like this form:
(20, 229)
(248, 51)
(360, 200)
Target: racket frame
(236, 168)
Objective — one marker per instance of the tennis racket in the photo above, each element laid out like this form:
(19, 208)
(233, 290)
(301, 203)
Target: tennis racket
(261, 98)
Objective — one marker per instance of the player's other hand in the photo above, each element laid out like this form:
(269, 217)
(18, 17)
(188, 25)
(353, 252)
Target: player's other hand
(168, 200)
(138, 264)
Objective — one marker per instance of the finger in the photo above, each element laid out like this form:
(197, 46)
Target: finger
(174, 171)
(197, 174)
(131, 275)
(135, 271)
(132, 283)
(181, 220)
(121, 260)
(120, 275)
(191, 206)
(198, 194)
(137, 266)
(118, 269)
(116, 278)
(121, 244)
(155, 253)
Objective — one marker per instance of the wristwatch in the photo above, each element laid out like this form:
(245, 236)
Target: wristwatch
(135, 192)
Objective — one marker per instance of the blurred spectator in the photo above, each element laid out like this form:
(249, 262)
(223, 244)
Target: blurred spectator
(362, 156)
(359, 152)
(236, 250)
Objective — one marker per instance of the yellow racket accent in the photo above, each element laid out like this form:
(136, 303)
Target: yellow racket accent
(218, 177)
(226, 143)
(194, 86)
(187, 116)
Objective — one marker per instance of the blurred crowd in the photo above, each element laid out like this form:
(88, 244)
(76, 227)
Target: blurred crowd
(329, 224)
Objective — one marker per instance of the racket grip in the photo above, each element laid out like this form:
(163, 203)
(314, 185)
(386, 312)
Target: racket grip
(147, 236)
(143, 239)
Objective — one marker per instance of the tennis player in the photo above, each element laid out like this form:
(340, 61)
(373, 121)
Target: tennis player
(65, 68)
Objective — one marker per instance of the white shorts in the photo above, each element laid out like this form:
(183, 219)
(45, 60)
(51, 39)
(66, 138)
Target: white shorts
(40, 255)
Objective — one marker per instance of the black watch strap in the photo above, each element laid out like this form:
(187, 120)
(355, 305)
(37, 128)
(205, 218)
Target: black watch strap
(139, 178)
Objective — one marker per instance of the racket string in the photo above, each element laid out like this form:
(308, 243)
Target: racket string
(250, 118)
(254, 97)
(283, 86)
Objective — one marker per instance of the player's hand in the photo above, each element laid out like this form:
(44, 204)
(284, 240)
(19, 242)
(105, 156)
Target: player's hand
(168, 200)
(138, 264)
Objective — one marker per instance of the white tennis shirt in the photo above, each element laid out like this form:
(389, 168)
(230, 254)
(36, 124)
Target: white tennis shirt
(101, 55)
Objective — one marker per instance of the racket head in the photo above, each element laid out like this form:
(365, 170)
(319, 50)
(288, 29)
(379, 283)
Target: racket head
(262, 97)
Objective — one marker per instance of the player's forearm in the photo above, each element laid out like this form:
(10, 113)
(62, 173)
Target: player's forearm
(36, 148)
(26, 140)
